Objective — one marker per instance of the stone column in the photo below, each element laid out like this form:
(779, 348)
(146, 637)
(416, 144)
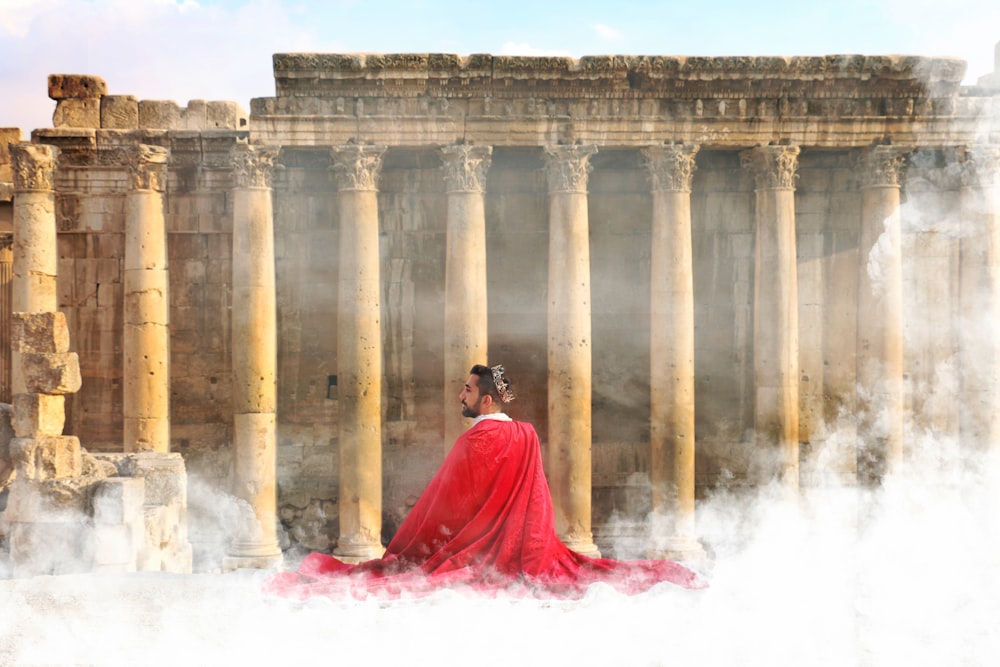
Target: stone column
(980, 300)
(569, 346)
(254, 334)
(465, 294)
(776, 317)
(35, 253)
(146, 340)
(359, 354)
(880, 315)
(671, 354)
(6, 286)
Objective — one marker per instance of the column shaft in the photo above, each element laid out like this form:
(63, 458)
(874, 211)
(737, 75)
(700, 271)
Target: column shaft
(254, 332)
(880, 316)
(672, 433)
(146, 338)
(776, 321)
(569, 346)
(465, 298)
(35, 249)
(359, 354)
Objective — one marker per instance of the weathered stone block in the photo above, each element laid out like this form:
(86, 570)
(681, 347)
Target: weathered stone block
(115, 545)
(195, 115)
(77, 113)
(46, 457)
(39, 332)
(76, 86)
(64, 500)
(160, 115)
(42, 548)
(6, 435)
(119, 112)
(38, 415)
(225, 116)
(57, 373)
(119, 500)
(166, 478)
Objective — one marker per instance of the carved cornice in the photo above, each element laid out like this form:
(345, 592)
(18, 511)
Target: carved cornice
(33, 166)
(465, 167)
(773, 167)
(356, 167)
(146, 166)
(883, 166)
(671, 167)
(981, 167)
(253, 166)
(567, 167)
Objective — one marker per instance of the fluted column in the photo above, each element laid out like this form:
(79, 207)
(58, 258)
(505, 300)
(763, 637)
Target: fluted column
(146, 338)
(465, 294)
(980, 299)
(569, 346)
(671, 354)
(359, 354)
(880, 315)
(254, 332)
(776, 317)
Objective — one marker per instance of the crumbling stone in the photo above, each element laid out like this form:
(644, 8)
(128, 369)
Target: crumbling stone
(76, 86)
(56, 373)
(160, 115)
(38, 415)
(43, 333)
(46, 457)
(119, 112)
(74, 113)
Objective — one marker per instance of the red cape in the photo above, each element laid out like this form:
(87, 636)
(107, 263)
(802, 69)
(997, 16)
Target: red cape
(484, 521)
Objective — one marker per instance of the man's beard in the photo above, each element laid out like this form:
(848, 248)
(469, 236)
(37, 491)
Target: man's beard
(471, 410)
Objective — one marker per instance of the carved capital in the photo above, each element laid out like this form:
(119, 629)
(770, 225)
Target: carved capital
(465, 167)
(981, 167)
(567, 167)
(882, 166)
(671, 168)
(253, 166)
(33, 166)
(356, 167)
(773, 166)
(146, 166)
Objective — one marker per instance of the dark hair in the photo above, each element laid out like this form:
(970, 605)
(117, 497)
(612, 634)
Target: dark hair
(487, 385)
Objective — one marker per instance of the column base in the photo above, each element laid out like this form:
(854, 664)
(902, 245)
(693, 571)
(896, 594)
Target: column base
(682, 548)
(583, 546)
(358, 553)
(253, 556)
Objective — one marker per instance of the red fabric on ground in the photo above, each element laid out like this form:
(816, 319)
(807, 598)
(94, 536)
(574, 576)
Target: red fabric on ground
(484, 521)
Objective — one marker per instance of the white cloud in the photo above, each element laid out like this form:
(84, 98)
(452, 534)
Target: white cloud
(607, 33)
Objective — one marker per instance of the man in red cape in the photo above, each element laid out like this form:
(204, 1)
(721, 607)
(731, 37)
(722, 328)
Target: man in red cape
(485, 521)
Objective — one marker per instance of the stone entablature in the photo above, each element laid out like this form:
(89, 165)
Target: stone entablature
(825, 101)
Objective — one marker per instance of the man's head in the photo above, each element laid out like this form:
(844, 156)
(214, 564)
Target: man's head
(486, 391)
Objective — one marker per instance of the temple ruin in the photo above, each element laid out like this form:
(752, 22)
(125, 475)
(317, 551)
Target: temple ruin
(700, 273)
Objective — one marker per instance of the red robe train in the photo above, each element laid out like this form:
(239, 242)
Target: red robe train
(484, 521)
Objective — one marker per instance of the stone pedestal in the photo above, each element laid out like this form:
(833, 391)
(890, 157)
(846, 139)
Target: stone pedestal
(880, 315)
(146, 340)
(359, 354)
(569, 345)
(465, 294)
(776, 319)
(671, 359)
(254, 359)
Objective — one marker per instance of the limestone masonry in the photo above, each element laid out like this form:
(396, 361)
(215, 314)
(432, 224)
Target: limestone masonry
(230, 337)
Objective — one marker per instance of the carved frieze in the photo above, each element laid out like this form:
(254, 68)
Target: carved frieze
(773, 167)
(567, 167)
(465, 167)
(882, 166)
(671, 167)
(33, 166)
(356, 167)
(253, 166)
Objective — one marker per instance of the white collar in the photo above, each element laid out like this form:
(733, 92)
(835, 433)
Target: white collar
(499, 416)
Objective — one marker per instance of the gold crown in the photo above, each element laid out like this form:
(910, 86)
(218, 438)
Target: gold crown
(503, 387)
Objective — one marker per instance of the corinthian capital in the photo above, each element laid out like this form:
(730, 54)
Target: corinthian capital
(982, 166)
(253, 166)
(671, 168)
(146, 166)
(33, 166)
(773, 166)
(465, 167)
(883, 166)
(567, 167)
(356, 167)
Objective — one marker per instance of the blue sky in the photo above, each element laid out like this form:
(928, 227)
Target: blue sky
(221, 49)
